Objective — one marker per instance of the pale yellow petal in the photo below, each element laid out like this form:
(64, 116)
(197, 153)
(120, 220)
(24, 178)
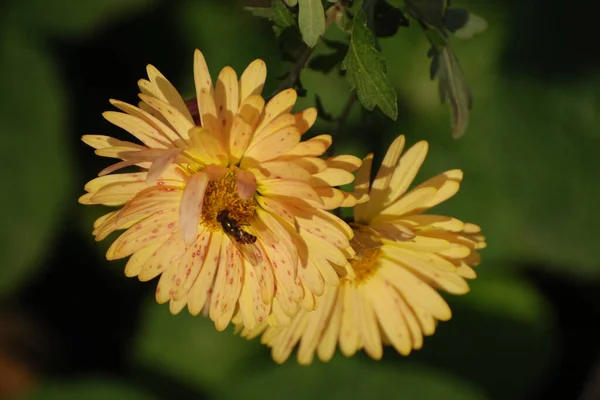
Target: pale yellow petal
(281, 103)
(313, 147)
(386, 304)
(202, 287)
(362, 186)
(228, 285)
(139, 128)
(227, 98)
(167, 92)
(178, 121)
(305, 119)
(162, 258)
(271, 146)
(405, 172)
(368, 328)
(151, 120)
(253, 79)
(157, 227)
(190, 207)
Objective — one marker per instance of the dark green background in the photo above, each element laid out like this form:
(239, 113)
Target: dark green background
(528, 328)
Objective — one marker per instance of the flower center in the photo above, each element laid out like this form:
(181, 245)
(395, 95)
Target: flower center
(366, 244)
(365, 267)
(221, 194)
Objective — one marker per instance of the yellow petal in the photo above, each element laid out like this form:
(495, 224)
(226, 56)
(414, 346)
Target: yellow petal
(202, 286)
(282, 170)
(271, 146)
(386, 304)
(178, 121)
(151, 120)
(293, 189)
(155, 228)
(207, 149)
(167, 92)
(369, 331)
(388, 166)
(349, 331)
(328, 343)
(362, 186)
(227, 97)
(317, 323)
(252, 309)
(228, 285)
(415, 291)
(253, 79)
(333, 177)
(406, 204)
(281, 103)
(276, 124)
(163, 258)
(346, 162)
(190, 264)
(239, 139)
(313, 147)
(405, 172)
(190, 207)
(138, 259)
(305, 119)
(139, 128)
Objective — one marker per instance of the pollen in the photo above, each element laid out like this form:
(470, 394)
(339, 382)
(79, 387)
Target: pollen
(366, 266)
(221, 194)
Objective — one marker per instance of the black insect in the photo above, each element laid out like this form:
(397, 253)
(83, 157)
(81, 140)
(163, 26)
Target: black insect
(242, 240)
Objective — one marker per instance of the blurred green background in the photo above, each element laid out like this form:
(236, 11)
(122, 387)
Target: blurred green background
(73, 327)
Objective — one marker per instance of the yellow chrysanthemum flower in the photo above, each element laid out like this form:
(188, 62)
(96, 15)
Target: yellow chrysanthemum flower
(225, 206)
(401, 256)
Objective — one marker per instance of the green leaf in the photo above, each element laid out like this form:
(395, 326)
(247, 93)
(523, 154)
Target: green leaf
(35, 165)
(282, 17)
(261, 12)
(190, 348)
(453, 87)
(73, 17)
(291, 3)
(326, 62)
(366, 70)
(351, 378)
(88, 389)
(311, 19)
(474, 25)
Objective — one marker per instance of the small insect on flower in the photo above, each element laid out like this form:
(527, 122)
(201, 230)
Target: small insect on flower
(242, 240)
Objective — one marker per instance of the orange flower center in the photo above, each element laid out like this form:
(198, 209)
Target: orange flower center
(221, 194)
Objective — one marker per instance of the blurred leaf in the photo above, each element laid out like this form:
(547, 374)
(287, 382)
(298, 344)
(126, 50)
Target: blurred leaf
(388, 19)
(291, 3)
(190, 348)
(311, 19)
(34, 167)
(428, 12)
(455, 18)
(73, 17)
(321, 112)
(453, 87)
(282, 16)
(89, 389)
(326, 62)
(367, 70)
(503, 324)
(261, 12)
(351, 378)
(464, 24)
